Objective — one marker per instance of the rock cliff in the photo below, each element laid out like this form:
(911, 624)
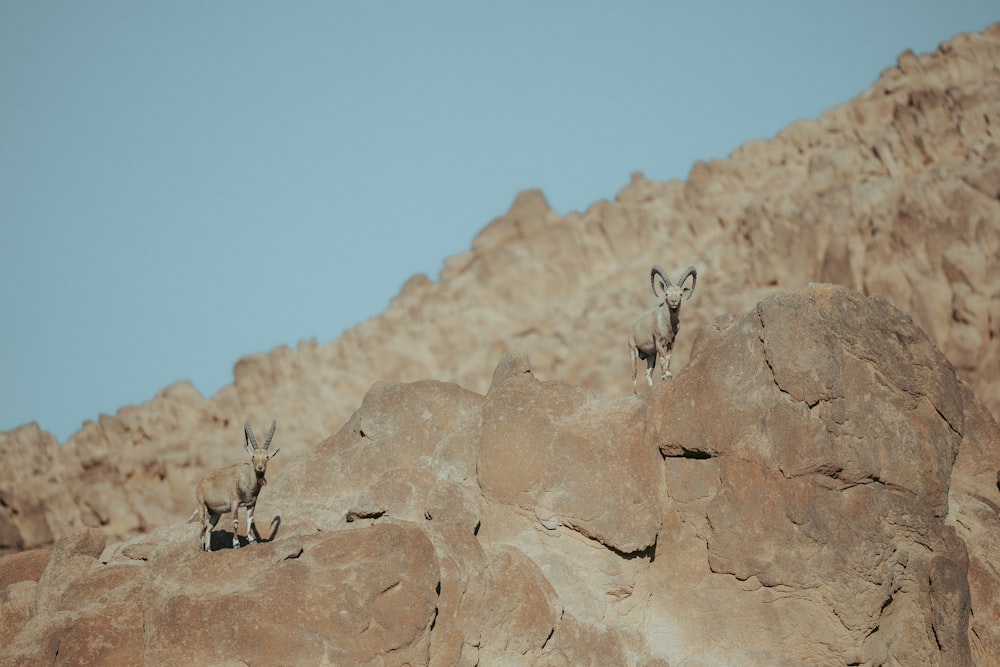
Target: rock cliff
(822, 468)
(815, 487)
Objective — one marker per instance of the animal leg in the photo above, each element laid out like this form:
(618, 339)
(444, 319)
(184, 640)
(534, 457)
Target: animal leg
(202, 524)
(236, 524)
(208, 522)
(634, 353)
(650, 364)
(250, 527)
(667, 375)
(663, 350)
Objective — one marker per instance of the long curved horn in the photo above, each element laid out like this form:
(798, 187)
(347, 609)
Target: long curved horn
(248, 432)
(657, 271)
(270, 434)
(693, 274)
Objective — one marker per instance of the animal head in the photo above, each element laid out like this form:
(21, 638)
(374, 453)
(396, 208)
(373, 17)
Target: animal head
(258, 455)
(672, 293)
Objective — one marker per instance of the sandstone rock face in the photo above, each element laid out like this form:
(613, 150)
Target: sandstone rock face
(815, 487)
(34, 505)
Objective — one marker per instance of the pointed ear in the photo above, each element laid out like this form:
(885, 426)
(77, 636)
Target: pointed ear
(273, 454)
(246, 446)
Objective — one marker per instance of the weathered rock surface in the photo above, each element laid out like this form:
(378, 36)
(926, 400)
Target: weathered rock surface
(815, 487)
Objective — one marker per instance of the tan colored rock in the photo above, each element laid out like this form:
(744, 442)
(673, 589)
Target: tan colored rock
(815, 486)
(567, 458)
(408, 450)
(23, 566)
(348, 598)
(35, 507)
(974, 510)
(523, 609)
(17, 606)
(72, 557)
(821, 488)
(79, 613)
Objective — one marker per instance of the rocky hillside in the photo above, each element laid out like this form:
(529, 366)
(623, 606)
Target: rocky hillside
(815, 487)
(895, 193)
(825, 460)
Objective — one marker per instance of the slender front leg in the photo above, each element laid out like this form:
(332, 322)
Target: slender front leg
(650, 364)
(208, 522)
(250, 529)
(203, 525)
(634, 353)
(664, 351)
(236, 523)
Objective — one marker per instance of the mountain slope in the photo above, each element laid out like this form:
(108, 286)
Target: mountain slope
(815, 487)
(895, 193)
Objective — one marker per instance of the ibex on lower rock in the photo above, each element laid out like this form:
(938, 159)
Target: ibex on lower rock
(229, 489)
(653, 333)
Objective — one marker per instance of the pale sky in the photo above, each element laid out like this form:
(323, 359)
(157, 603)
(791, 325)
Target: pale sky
(186, 183)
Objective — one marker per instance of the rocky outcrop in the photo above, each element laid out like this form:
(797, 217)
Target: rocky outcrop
(35, 507)
(815, 487)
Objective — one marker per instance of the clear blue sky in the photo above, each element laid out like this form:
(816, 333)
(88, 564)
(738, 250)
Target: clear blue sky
(185, 183)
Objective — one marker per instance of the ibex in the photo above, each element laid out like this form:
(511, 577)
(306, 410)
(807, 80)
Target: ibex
(229, 489)
(654, 332)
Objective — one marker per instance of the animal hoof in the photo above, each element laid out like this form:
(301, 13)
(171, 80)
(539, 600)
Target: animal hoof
(236, 545)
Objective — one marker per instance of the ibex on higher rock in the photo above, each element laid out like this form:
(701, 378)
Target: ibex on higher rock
(653, 333)
(229, 489)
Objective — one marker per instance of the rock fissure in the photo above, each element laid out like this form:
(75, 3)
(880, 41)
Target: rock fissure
(647, 553)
